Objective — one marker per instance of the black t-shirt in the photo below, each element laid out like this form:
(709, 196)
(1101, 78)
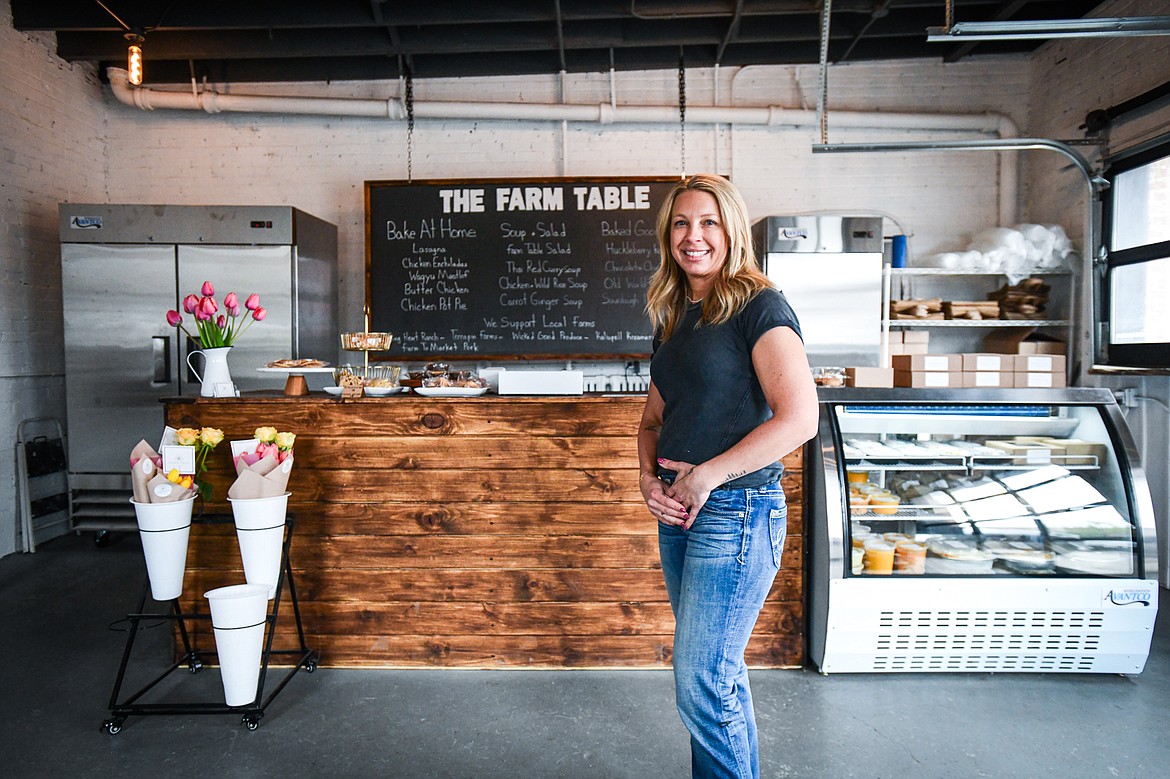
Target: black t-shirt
(709, 386)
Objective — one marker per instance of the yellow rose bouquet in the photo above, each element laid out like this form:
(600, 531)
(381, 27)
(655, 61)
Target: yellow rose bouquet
(204, 440)
(152, 484)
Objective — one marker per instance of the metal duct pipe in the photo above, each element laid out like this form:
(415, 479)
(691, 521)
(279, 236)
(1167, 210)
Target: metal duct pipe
(603, 113)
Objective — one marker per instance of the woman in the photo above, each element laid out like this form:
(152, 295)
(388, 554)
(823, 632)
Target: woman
(730, 394)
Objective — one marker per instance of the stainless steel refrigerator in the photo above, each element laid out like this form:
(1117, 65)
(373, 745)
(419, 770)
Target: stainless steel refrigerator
(830, 269)
(122, 268)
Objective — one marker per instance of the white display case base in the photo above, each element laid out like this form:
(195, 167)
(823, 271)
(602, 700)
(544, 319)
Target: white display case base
(980, 624)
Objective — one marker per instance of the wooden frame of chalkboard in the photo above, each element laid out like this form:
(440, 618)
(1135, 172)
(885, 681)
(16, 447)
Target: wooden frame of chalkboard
(520, 268)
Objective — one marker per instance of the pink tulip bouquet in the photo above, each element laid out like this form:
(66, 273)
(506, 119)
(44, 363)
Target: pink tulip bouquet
(216, 328)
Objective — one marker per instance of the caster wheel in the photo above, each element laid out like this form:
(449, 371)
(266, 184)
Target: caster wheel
(113, 726)
(250, 722)
(195, 667)
(310, 667)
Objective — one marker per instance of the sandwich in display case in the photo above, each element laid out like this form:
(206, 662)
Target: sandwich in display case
(978, 530)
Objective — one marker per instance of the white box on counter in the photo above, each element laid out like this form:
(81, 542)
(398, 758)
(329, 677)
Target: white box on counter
(526, 382)
(991, 379)
(927, 362)
(1043, 363)
(979, 361)
(1038, 379)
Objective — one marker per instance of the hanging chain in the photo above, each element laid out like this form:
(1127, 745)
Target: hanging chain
(682, 110)
(823, 97)
(409, 126)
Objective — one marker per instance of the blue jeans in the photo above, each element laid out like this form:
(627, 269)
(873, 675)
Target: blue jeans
(718, 574)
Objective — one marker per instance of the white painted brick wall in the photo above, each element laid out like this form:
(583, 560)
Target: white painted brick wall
(51, 149)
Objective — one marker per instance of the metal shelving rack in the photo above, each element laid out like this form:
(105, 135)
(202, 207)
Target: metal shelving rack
(251, 713)
(907, 275)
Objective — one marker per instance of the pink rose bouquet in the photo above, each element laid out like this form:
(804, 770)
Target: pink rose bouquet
(262, 464)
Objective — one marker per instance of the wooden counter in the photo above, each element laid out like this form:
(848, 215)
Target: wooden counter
(473, 532)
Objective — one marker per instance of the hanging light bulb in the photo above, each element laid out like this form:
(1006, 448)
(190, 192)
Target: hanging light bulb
(134, 57)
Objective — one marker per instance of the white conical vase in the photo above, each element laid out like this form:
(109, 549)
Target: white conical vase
(165, 529)
(260, 532)
(238, 616)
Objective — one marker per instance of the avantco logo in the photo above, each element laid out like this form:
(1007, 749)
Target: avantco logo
(1129, 596)
(85, 222)
(793, 232)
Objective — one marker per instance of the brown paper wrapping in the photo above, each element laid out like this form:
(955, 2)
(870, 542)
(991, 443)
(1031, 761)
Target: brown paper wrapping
(142, 469)
(176, 491)
(266, 478)
(140, 476)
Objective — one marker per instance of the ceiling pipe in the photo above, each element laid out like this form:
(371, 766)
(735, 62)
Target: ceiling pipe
(603, 113)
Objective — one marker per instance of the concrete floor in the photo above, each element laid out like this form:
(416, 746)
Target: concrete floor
(60, 613)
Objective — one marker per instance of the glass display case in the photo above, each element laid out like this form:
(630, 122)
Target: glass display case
(963, 530)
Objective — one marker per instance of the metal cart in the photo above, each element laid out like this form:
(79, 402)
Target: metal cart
(252, 713)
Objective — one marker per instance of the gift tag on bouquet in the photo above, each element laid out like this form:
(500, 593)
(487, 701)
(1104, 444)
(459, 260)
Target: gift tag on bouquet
(244, 447)
(178, 458)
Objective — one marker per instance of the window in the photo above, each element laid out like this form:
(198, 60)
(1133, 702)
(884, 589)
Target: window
(1136, 297)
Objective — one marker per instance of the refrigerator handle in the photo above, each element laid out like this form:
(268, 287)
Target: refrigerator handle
(160, 355)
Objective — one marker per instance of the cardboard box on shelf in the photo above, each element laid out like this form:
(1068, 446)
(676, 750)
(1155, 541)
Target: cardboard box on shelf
(1039, 380)
(1045, 363)
(996, 379)
(869, 377)
(1023, 340)
(927, 362)
(1033, 454)
(1072, 451)
(1057, 448)
(928, 379)
(915, 336)
(1078, 452)
(978, 361)
(911, 348)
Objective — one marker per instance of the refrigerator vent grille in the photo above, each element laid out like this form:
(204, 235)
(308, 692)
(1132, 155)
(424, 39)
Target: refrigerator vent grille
(958, 642)
(983, 663)
(1021, 620)
(987, 640)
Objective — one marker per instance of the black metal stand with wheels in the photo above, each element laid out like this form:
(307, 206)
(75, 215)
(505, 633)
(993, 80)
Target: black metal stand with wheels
(251, 713)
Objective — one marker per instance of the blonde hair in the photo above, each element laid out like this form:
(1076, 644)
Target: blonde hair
(740, 278)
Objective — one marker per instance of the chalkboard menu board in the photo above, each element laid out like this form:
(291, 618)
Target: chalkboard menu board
(518, 268)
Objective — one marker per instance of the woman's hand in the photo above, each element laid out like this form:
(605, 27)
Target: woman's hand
(690, 490)
(665, 509)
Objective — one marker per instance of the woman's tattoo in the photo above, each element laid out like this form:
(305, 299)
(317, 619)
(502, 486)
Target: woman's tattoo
(735, 475)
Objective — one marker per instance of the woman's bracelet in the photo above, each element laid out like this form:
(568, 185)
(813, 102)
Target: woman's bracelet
(647, 473)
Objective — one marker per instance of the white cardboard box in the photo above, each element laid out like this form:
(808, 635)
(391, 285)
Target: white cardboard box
(541, 382)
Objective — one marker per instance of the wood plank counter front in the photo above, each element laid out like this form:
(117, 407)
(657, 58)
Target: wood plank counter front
(480, 532)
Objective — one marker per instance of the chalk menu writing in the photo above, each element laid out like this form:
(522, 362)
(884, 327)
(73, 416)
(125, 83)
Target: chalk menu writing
(518, 268)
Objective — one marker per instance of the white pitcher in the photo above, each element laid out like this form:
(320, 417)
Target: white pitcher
(215, 371)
